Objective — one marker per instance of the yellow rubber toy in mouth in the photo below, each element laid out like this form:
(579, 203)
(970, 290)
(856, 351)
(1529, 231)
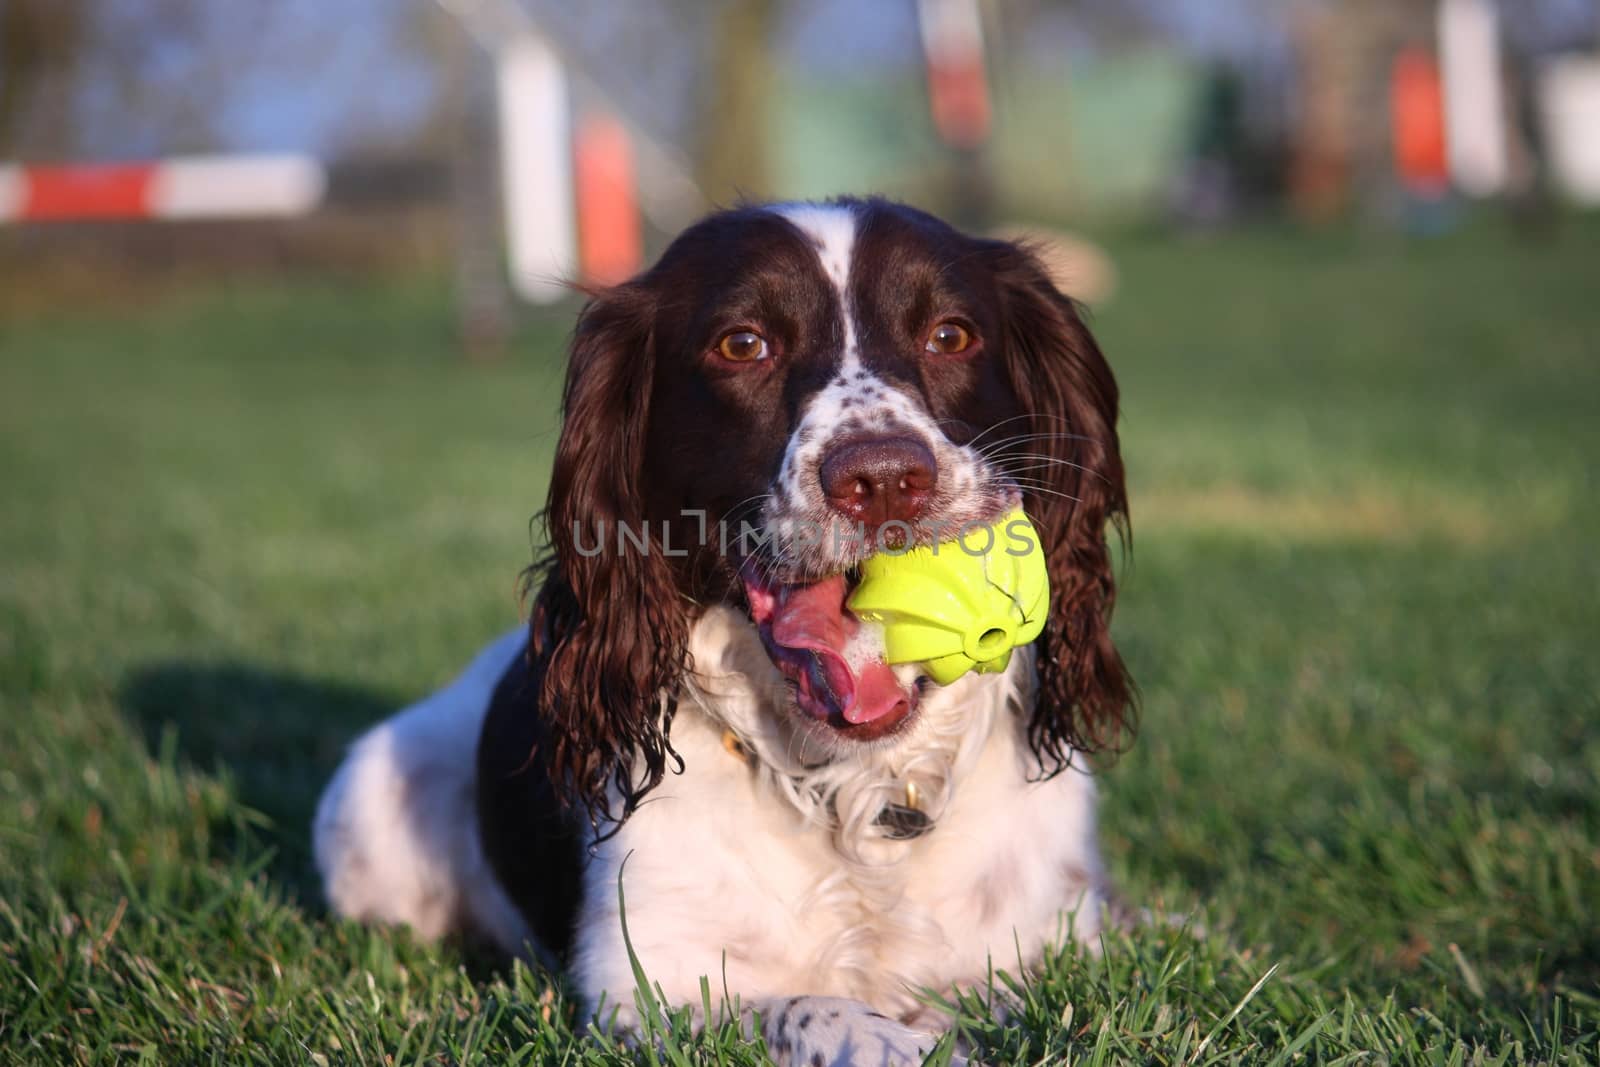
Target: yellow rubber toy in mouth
(961, 605)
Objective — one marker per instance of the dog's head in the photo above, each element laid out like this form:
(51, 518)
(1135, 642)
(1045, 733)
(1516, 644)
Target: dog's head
(788, 390)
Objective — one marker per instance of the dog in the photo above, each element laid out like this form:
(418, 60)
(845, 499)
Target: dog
(694, 717)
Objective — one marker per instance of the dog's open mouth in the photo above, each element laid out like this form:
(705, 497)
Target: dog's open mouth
(835, 667)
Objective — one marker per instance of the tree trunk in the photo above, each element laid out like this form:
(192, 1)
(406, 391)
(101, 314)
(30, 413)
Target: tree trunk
(733, 149)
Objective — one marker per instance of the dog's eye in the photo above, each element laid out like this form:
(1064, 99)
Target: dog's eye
(743, 346)
(947, 339)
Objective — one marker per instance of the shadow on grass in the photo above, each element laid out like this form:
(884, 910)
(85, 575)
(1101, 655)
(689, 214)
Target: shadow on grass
(277, 735)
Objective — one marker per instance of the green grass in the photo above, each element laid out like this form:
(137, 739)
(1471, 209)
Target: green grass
(1363, 608)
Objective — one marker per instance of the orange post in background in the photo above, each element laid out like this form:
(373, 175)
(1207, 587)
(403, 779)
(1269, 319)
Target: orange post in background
(610, 242)
(1416, 105)
(958, 83)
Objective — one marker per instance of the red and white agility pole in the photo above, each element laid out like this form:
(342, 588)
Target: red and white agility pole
(194, 187)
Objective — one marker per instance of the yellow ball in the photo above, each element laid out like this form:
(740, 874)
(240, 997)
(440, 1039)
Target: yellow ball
(961, 605)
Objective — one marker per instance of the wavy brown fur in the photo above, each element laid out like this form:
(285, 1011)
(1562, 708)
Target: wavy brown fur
(1086, 698)
(609, 631)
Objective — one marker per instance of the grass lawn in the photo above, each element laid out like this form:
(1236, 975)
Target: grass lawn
(1363, 607)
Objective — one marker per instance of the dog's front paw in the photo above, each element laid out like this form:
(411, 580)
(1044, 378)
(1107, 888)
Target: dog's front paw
(837, 1032)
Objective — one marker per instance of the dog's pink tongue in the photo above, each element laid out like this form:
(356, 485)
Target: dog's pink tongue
(813, 619)
(878, 693)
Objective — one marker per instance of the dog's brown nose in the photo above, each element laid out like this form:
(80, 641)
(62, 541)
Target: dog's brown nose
(874, 480)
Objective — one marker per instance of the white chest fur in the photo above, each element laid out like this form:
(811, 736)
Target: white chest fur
(776, 875)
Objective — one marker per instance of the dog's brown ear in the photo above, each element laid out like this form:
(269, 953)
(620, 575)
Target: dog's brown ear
(1070, 466)
(609, 631)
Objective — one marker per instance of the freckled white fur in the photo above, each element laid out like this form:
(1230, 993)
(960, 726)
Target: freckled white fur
(806, 533)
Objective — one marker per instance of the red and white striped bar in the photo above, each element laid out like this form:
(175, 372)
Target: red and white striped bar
(193, 187)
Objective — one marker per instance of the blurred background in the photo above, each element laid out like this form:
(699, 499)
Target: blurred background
(517, 144)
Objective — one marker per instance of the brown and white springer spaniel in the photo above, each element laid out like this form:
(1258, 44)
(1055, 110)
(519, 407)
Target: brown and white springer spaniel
(743, 422)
